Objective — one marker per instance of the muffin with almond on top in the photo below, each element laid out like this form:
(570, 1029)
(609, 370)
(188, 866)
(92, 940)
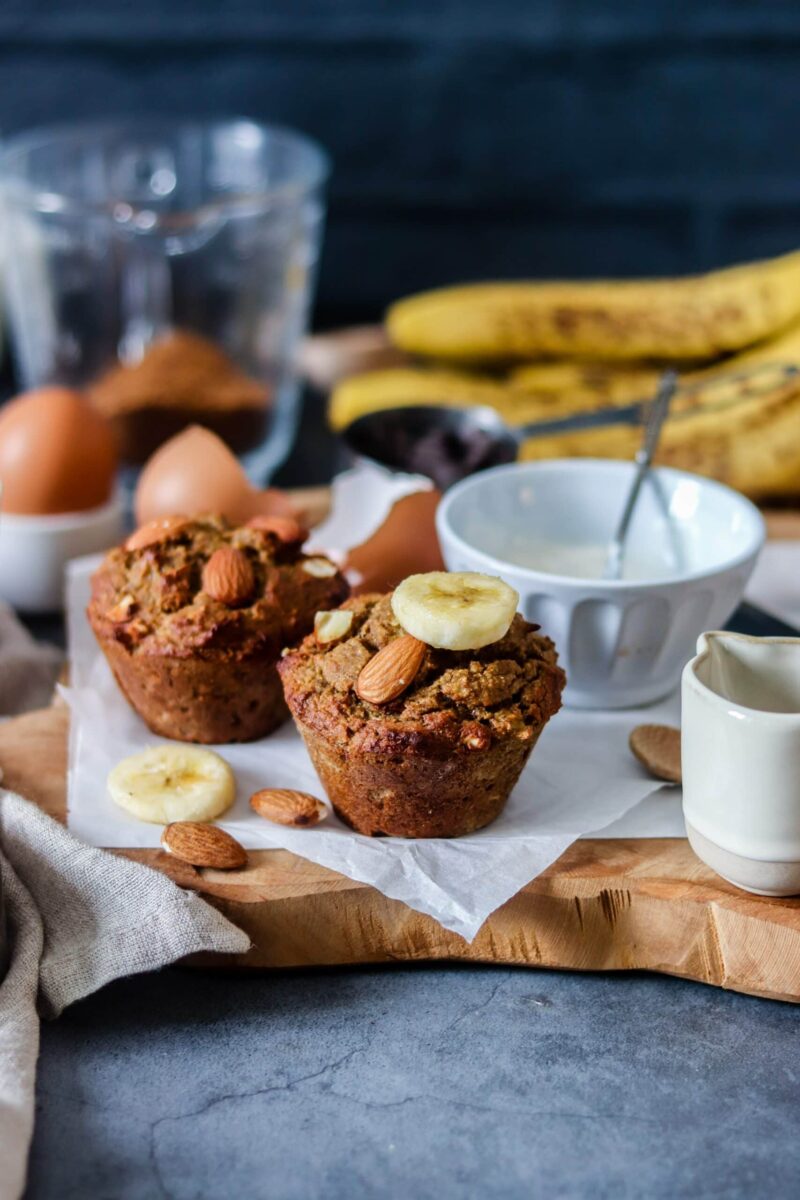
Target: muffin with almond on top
(192, 616)
(420, 708)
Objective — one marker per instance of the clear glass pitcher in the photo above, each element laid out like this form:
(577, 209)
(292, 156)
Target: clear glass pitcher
(167, 268)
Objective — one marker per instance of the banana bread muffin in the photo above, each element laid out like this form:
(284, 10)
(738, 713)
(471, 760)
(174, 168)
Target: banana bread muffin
(192, 616)
(440, 757)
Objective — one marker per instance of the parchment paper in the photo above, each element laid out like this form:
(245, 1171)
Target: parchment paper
(581, 776)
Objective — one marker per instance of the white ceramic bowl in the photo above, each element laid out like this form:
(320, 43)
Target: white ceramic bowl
(740, 753)
(35, 550)
(622, 643)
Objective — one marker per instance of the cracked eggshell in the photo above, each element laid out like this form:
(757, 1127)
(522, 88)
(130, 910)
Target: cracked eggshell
(405, 544)
(194, 473)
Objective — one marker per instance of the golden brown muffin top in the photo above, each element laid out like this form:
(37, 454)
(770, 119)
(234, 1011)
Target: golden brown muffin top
(507, 689)
(203, 588)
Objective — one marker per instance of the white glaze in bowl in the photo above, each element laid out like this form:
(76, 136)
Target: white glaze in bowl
(621, 642)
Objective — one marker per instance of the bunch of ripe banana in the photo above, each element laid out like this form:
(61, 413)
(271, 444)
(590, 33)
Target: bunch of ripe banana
(536, 351)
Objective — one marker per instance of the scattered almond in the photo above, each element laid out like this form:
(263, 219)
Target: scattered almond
(159, 530)
(287, 529)
(120, 612)
(658, 749)
(332, 625)
(391, 671)
(320, 568)
(287, 807)
(228, 577)
(203, 845)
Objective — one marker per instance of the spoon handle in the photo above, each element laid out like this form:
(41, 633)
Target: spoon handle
(759, 380)
(656, 416)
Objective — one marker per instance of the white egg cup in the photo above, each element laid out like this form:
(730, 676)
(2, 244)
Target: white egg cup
(622, 643)
(740, 751)
(34, 552)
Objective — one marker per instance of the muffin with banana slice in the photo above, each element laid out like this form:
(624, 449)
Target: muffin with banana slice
(192, 616)
(420, 708)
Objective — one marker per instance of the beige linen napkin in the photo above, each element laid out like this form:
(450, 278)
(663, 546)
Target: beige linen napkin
(28, 669)
(72, 918)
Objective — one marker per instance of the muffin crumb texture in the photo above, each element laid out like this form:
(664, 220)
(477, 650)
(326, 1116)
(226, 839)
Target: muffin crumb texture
(440, 759)
(168, 609)
(507, 688)
(193, 649)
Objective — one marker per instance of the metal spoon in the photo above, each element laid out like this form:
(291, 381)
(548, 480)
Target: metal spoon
(643, 459)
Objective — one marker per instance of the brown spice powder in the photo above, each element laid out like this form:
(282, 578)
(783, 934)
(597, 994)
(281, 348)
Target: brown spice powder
(181, 370)
(183, 379)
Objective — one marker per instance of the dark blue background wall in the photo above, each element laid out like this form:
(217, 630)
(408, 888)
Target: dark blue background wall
(497, 137)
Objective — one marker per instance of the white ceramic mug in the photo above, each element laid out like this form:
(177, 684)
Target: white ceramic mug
(740, 749)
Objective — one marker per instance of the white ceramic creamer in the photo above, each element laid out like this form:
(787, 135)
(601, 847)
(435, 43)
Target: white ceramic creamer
(740, 750)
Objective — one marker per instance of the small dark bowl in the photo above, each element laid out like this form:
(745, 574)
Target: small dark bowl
(446, 444)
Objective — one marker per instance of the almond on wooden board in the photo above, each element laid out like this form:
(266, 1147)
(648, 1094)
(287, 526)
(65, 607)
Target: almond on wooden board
(287, 807)
(203, 845)
(391, 671)
(228, 577)
(658, 749)
(159, 530)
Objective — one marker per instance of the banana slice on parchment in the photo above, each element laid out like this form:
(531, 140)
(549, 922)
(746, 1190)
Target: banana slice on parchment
(173, 783)
(455, 610)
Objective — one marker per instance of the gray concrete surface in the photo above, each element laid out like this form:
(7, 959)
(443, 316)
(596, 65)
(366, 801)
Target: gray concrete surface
(429, 1083)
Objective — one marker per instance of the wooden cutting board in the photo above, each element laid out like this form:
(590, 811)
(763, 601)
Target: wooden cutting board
(610, 905)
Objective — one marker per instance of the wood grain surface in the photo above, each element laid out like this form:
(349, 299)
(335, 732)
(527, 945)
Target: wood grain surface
(617, 905)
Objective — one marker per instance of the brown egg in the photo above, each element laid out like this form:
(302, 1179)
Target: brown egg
(405, 544)
(56, 454)
(195, 472)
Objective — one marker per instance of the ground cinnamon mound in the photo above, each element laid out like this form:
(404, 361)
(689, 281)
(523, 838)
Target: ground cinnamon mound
(182, 379)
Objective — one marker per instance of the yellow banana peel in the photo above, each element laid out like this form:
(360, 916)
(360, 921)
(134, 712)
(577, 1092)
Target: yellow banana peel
(401, 387)
(751, 443)
(677, 320)
(721, 429)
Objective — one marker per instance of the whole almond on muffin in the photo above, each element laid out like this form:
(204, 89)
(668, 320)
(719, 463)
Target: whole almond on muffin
(228, 577)
(286, 529)
(391, 671)
(159, 530)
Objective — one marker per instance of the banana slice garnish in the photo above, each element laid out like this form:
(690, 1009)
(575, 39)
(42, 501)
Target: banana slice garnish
(455, 610)
(173, 783)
